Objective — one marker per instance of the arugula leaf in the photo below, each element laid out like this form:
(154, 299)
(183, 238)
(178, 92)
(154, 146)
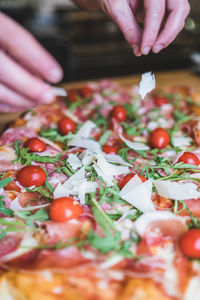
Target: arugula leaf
(100, 120)
(11, 226)
(40, 215)
(25, 158)
(5, 210)
(106, 243)
(5, 181)
(104, 137)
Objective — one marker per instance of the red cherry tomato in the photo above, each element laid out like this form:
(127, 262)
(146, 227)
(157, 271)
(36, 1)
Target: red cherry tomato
(64, 209)
(86, 91)
(31, 175)
(66, 125)
(119, 113)
(159, 138)
(189, 158)
(109, 149)
(190, 243)
(72, 95)
(128, 177)
(159, 101)
(35, 145)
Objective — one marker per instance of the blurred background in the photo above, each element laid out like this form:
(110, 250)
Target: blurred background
(89, 45)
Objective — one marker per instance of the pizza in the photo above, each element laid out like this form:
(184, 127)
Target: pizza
(100, 197)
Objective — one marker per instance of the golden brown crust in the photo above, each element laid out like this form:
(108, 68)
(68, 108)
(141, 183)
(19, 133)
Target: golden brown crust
(48, 286)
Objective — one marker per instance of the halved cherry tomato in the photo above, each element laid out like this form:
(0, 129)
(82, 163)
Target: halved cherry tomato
(190, 243)
(119, 113)
(35, 145)
(64, 209)
(86, 91)
(189, 158)
(109, 149)
(159, 138)
(159, 101)
(72, 95)
(66, 125)
(31, 175)
(128, 177)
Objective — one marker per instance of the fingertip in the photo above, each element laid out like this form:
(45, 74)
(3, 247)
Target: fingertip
(157, 48)
(47, 97)
(145, 50)
(55, 74)
(136, 50)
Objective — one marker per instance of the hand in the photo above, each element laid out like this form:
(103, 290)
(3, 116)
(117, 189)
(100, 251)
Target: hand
(163, 20)
(24, 67)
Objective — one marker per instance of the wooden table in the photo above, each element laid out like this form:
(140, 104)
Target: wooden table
(183, 77)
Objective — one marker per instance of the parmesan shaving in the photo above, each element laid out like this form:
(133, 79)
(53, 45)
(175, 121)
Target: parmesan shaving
(50, 143)
(134, 145)
(176, 191)
(111, 261)
(138, 194)
(74, 161)
(147, 84)
(182, 141)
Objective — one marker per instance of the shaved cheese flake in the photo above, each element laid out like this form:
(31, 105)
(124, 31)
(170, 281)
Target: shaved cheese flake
(193, 289)
(138, 194)
(50, 143)
(134, 145)
(59, 92)
(144, 220)
(91, 145)
(182, 141)
(7, 153)
(84, 188)
(84, 131)
(110, 169)
(107, 178)
(114, 158)
(74, 161)
(78, 176)
(111, 261)
(70, 115)
(147, 84)
(176, 191)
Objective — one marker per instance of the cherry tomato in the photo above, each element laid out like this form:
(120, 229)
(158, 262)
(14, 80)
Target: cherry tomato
(86, 91)
(64, 209)
(72, 95)
(189, 158)
(159, 101)
(109, 149)
(31, 175)
(128, 177)
(190, 243)
(159, 138)
(66, 125)
(35, 145)
(119, 113)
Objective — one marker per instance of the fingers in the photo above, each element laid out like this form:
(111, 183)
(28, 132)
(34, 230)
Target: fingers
(10, 97)
(120, 11)
(179, 10)
(154, 13)
(21, 81)
(23, 46)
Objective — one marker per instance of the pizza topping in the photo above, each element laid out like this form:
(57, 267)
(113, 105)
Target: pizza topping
(159, 138)
(31, 175)
(134, 145)
(74, 161)
(119, 113)
(109, 149)
(190, 243)
(147, 84)
(189, 158)
(86, 91)
(35, 145)
(66, 125)
(177, 191)
(138, 194)
(64, 209)
(128, 177)
(159, 101)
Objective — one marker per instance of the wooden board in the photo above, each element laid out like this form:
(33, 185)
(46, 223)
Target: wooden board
(183, 77)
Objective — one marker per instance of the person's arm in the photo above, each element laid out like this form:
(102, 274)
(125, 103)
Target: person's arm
(24, 67)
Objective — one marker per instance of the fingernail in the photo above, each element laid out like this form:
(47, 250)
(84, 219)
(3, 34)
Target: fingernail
(48, 96)
(157, 48)
(136, 50)
(55, 75)
(146, 50)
